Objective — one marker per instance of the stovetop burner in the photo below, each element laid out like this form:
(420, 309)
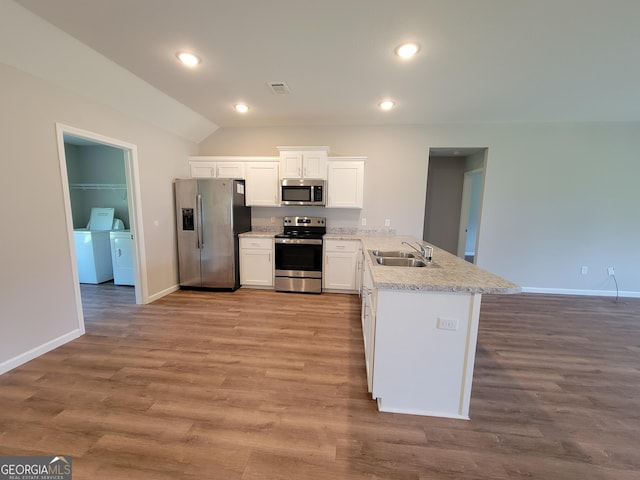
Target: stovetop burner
(303, 227)
(299, 234)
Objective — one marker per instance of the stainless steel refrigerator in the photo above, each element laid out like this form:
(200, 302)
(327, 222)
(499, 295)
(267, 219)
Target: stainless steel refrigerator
(210, 213)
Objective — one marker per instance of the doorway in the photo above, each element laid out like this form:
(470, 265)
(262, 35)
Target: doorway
(453, 203)
(116, 187)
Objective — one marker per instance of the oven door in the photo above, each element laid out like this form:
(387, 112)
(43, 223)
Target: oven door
(296, 257)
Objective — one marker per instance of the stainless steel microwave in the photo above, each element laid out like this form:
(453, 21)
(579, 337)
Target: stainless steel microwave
(302, 192)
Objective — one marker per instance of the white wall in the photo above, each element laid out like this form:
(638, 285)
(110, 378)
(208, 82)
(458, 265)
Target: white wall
(444, 201)
(96, 164)
(557, 196)
(36, 284)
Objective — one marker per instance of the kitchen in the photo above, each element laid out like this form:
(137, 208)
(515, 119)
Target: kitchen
(218, 249)
(532, 197)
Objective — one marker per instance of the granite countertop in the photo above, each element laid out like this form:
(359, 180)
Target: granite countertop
(258, 234)
(448, 273)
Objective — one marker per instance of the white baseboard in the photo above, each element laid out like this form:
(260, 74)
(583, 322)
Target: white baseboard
(569, 291)
(424, 413)
(162, 293)
(37, 351)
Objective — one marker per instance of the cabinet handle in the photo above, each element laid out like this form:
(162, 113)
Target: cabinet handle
(339, 246)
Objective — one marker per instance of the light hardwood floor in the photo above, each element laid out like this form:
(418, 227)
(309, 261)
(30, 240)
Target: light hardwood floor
(263, 385)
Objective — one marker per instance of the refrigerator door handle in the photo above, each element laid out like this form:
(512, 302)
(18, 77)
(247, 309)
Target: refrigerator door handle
(199, 221)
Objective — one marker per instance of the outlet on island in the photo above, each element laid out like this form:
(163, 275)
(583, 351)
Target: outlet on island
(447, 323)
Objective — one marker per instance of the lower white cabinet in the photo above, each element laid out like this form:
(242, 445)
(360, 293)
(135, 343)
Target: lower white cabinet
(368, 314)
(256, 262)
(342, 264)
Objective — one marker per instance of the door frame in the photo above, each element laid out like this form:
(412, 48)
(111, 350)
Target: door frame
(465, 210)
(135, 213)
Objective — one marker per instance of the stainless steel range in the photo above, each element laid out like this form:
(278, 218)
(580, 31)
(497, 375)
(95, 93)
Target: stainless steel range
(299, 255)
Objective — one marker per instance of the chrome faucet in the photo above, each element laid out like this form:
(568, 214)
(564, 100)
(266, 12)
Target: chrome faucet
(425, 252)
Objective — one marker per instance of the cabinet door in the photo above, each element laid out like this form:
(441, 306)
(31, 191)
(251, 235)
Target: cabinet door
(262, 184)
(291, 164)
(314, 165)
(346, 184)
(340, 271)
(359, 265)
(230, 170)
(202, 169)
(256, 267)
(368, 317)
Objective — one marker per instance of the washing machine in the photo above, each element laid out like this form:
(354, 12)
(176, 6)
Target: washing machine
(122, 257)
(93, 247)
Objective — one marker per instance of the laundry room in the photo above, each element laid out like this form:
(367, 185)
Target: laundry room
(100, 211)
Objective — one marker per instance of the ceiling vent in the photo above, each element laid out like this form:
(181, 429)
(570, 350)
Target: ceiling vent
(279, 88)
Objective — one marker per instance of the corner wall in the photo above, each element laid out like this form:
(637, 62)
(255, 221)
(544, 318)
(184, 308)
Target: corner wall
(37, 303)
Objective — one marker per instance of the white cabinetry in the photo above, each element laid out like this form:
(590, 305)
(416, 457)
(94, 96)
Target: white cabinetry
(216, 167)
(345, 181)
(303, 162)
(262, 184)
(342, 259)
(419, 348)
(256, 262)
(430, 336)
(369, 307)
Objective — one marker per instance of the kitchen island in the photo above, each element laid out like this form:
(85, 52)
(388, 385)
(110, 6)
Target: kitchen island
(420, 328)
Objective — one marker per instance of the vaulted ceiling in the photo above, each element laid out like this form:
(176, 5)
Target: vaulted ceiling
(480, 60)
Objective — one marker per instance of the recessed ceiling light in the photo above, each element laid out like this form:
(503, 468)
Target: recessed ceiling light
(188, 59)
(407, 50)
(386, 105)
(241, 107)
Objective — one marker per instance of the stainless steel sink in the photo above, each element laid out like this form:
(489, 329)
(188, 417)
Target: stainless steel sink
(392, 253)
(400, 262)
(398, 258)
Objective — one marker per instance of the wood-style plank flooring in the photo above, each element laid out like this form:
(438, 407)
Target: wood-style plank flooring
(262, 385)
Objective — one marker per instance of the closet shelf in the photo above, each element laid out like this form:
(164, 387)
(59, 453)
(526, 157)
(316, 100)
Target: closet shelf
(98, 186)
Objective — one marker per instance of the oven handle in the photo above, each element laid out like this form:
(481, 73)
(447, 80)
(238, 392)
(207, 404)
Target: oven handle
(298, 241)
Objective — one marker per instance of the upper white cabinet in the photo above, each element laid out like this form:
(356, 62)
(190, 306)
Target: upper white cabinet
(345, 181)
(344, 175)
(303, 162)
(262, 184)
(216, 167)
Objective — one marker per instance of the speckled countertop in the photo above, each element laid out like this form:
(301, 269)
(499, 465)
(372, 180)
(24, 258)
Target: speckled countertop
(258, 234)
(448, 273)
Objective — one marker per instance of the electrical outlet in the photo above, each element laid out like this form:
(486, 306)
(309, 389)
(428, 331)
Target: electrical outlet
(611, 271)
(387, 222)
(447, 323)
(584, 270)
(363, 222)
